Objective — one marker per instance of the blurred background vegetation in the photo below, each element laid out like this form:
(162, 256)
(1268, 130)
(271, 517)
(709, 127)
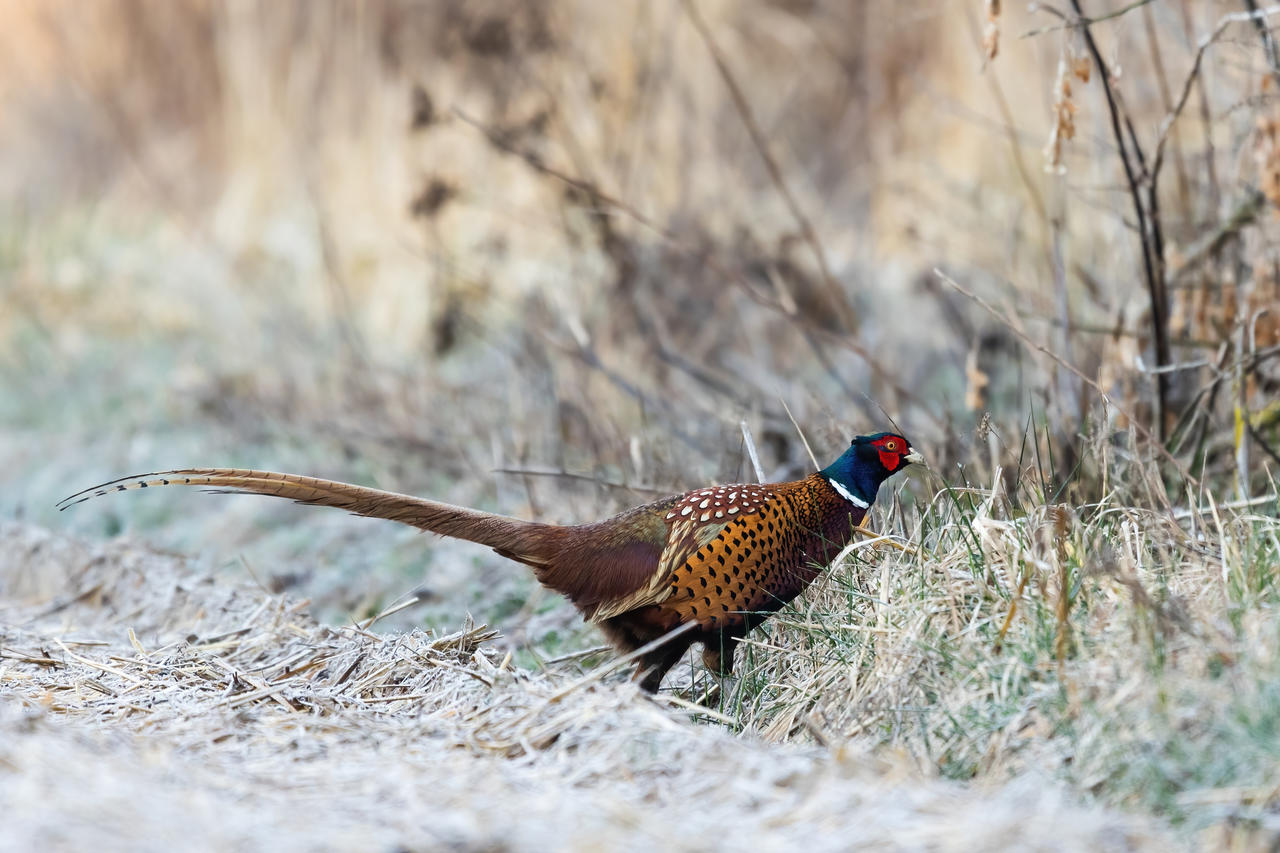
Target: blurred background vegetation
(547, 258)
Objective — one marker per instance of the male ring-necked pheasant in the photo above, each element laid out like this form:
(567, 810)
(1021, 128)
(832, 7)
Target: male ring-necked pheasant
(714, 562)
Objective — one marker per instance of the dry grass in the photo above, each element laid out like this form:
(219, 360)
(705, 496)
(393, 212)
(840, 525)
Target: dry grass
(1077, 640)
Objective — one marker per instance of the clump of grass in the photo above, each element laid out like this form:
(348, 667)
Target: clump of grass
(1130, 651)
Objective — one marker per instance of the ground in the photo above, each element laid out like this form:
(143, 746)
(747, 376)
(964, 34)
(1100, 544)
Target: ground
(149, 706)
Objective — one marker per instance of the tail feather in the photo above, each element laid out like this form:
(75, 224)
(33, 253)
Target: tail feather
(525, 541)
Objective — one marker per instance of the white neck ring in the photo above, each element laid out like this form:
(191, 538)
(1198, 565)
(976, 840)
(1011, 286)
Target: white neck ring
(847, 495)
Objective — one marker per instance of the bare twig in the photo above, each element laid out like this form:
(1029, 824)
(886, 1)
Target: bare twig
(1262, 442)
(1256, 15)
(1009, 127)
(1137, 425)
(1268, 42)
(1123, 10)
(835, 293)
(751, 451)
(1166, 99)
(1244, 214)
(1148, 219)
(813, 336)
(1206, 394)
(500, 141)
(800, 432)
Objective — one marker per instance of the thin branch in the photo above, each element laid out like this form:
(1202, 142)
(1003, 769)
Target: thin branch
(835, 293)
(501, 142)
(1137, 425)
(751, 451)
(799, 432)
(1245, 214)
(1150, 236)
(1123, 10)
(1256, 15)
(1166, 99)
(1268, 42)
(1009, 128)
(1198, 405)
(1261, 442)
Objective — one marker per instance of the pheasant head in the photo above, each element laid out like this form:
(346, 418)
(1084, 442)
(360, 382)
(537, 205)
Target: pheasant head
(869, 461)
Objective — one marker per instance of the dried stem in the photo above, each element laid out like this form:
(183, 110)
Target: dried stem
(1013, 327)
(835, 293)
(813, 336)
(1149, 229)
(1268, 42)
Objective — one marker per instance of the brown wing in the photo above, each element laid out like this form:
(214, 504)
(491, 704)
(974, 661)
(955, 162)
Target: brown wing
(690, 522)
(599, 563)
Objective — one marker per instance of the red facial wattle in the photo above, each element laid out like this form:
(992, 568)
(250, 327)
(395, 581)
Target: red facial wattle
(890, 450)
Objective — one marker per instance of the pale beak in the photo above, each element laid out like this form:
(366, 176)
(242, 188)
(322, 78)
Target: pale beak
(913, 456)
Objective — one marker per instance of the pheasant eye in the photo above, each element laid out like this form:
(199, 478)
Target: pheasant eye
(891, 445)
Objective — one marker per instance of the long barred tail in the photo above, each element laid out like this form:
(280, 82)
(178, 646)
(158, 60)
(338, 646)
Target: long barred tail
(522, 540)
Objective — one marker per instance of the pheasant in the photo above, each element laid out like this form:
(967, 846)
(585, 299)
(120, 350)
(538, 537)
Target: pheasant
(706, 566)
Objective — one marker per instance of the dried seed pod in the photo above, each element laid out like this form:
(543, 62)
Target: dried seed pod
(991, 32)
(1064, 121)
